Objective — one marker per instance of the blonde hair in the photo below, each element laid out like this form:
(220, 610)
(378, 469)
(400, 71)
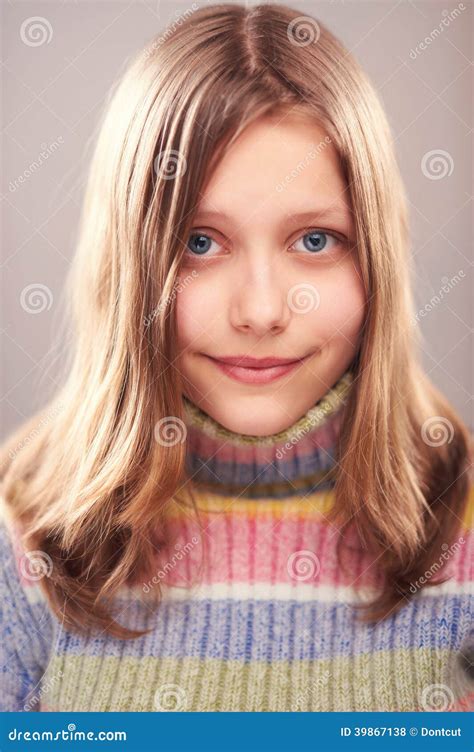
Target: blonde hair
(94, 482)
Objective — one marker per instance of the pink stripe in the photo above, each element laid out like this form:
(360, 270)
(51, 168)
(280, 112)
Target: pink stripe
(229, 538)
(274, 551)
(465, 565)
(203, 445)
(251, 559)
(250, 540)
(251, 550)
(239, 550)
(188, 535)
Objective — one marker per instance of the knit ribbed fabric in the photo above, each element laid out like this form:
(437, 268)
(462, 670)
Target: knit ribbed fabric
(257, 614)
(301, 459)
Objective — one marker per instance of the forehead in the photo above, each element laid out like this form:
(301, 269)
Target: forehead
(279, 161)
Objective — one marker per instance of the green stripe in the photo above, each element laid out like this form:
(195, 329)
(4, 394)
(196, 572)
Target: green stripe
(377, 681)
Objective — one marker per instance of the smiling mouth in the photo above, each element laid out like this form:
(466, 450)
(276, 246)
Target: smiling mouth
(245, 370)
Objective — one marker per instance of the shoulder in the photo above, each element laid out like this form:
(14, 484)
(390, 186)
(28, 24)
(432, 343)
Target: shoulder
(459, 551)
(27, 625)
(20, 570)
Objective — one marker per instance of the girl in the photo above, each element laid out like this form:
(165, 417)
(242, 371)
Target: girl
(247, 495)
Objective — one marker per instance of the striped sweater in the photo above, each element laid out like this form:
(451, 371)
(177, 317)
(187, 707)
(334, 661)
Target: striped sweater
(256, 613)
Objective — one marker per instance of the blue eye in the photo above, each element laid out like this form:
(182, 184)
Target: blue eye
(199, 243)
(317, 241)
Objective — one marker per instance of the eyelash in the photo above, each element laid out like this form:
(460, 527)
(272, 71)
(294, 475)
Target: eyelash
(340, 240)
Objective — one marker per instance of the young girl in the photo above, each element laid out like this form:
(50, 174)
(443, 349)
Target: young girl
(247, 495)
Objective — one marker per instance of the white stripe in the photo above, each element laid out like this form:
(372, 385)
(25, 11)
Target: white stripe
(302, 592)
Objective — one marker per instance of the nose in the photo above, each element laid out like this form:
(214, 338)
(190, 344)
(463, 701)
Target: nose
(259, 303)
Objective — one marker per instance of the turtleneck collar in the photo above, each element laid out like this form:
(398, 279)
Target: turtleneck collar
(299, 460)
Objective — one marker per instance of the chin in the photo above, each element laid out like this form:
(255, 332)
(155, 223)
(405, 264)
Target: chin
(252, 425)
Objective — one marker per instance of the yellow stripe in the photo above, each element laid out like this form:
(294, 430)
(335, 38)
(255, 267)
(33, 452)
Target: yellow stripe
(297, 506)
(365, 682)
(468, 520)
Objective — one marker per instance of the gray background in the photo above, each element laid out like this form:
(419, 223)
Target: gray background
(52, 94)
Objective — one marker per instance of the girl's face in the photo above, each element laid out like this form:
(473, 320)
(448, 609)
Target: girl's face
(270, 272)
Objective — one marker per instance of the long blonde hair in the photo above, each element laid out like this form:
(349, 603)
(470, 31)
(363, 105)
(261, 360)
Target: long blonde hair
(93, 483)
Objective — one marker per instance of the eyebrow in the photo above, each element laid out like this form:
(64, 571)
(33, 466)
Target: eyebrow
(328, 212)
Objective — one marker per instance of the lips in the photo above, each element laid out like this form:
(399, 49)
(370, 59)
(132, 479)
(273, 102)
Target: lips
(247, 362)
(255, 370)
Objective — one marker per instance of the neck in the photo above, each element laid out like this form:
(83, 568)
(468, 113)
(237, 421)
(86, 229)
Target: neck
(301, 459)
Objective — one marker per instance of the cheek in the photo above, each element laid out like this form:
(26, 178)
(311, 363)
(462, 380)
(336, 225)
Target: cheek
(341, 310)
(196, 309)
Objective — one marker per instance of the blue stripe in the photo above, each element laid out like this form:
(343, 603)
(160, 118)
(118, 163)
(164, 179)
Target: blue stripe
(304, 626)
(209, 469)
